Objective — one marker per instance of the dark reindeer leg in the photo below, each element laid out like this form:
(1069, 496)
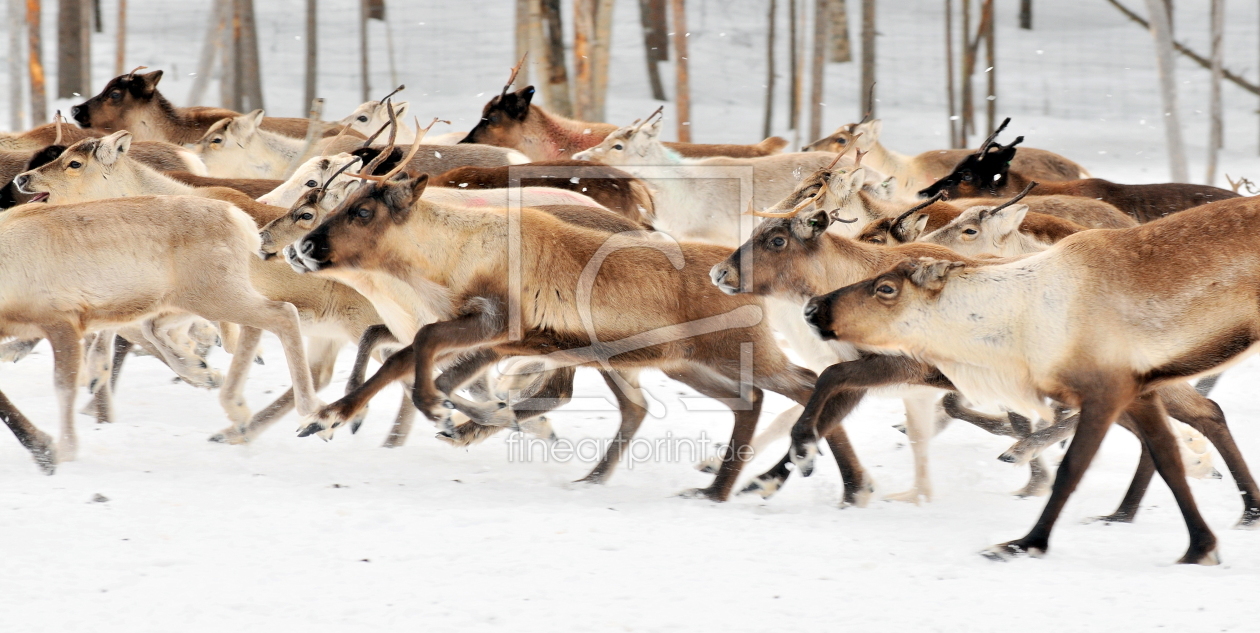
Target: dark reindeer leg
(555, 392)
(1206, 417)
(39, 443)
(1101, 404)
(1137, 489)
(341, 411)
(1151, 422)
(632, 414)
(738, 450)
(954, 408)
(467, 369)
(373, 337)
(470, 330)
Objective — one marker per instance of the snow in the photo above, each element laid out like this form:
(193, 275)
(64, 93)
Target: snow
(298, 534)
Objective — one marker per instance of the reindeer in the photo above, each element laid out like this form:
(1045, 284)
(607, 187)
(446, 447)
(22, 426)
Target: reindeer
(631, 296)
(914, 172)
(185, 254)
(371, 115)
(1100, 321)
(700, 208)
(987, 174)
(1005, 230)
(509, 120)
(132, 102)
(962, 221)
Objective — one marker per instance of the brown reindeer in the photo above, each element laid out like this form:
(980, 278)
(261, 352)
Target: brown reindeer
(509, 120)
(914, 172)
(630, 297)
(988, 174)
(916, 222)
(132, 102)
(1072, 333)
(617, 190)
(253, 187)
(797, 258)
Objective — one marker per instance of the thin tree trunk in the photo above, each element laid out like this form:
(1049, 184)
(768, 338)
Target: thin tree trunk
(210, 48)
(250, 66)
(74, 29)
(990, 57)
(954, 140)
(841, 47)
(312, 50)
(583, 53)
(538, 47)
(655, 42)
(365, 82)
(867, 97)
(17, 70)
(1025, 14)
(120, 47)
(968, 67)
(682, 88)
(602, 49)
(35, 63)
(1216, 133)
(822, 20)
(557, 73)
(794, 96)
(522, 40)
(1168, 89)
(229, 82)
(767, 122)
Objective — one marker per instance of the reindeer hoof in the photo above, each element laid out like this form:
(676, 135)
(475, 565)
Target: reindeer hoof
(909, 496)
(1012, 550)
(701, 493)
(860, 497)
(1250, 520)
(764, 488)
(1115, 517)
(1208, 559)
(709, 466)
(45, 458)
(804, 457)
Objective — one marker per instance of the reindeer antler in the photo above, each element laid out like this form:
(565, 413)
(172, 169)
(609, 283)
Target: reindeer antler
(857, 158)
(1240, 183)
(58, 117)
(1019, 196)
(389, 148)
(512, 78)
(842, 152)
(870, 104)
(992, 137)
(639, 126)
(402, 164)
(918, 207)
(400, 88)
(133, 70)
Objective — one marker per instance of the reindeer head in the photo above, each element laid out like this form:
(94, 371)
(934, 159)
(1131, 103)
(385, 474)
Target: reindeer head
(81, 172)
(352, 235)
(315, 174)
(230, 147)
(871, 311)
(633, 144)
(312, 205)
(982, 230)
(123, 97)
(370, 116)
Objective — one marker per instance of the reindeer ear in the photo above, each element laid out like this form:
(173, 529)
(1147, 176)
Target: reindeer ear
(516, 104)
(870, 133)
(887, 188)
(808, 227)
(917, 227)
(150, 82)
(418, 185)
(1009, 219)
(931, 274)
(400, 109)
(653, 129)
(111, 147)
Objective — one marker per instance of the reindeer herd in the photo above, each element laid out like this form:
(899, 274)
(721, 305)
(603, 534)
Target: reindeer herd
(1001, 286)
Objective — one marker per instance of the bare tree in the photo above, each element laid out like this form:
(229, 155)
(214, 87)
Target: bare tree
(1216, 136)
(1025, 14)
(522, 39)
(822, 20)
(990, 56)
(841, 47)
(1168, 88)
(682, 81)
(583, 57)
(652, 16)
(955, 140)
(74, 53)
(868, 58)
(17, 66)
(794, 63)
(557, 73)
(766, 123)
(120, 44)
(35, 62)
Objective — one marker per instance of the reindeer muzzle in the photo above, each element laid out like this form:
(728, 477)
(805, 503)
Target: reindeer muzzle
(818, 315)
(80, 115)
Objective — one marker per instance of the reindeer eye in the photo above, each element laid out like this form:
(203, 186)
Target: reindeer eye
(618, 147)
(216, 140)
(363, 118)
(970, 231)
(312, 184)
(842, 141)
(363, 213)
(886, 289)
(74, 164)
(306, 216)
(876, 240)
(115, 94)
(778, 242)
(966, 176)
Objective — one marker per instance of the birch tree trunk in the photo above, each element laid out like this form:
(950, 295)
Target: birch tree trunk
(954, 140)
(17, 69)
(822, 20)
(557, 72)
(655, 42)
(794, 63)
(120, 44)
(312, 51)
(767, 122)
(583, 58)
(682, 88)
(522, 40)
(1168, 89)
(841, 47)
(990, 56)
(35, 63)
(602, 50)
(866, 98)
(74, 30)
(1216, 136)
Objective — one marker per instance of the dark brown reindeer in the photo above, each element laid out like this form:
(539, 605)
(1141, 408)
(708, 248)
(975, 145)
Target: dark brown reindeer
(132, 102)
(796, 258)
(634, 307)
(916, 222)
(988, 174)
(510, 120)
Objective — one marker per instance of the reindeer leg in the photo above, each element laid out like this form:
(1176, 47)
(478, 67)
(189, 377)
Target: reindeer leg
(1152, 423)
(67, 344)
(372, 338)
(1101, 405)
(1205, 416)
(714, 385)
(1137, 489)
(232, 395)
(39, 443)
(467, 369)
(101, 363)
(323, 355)
(633, 410)
(952, 403)
(405, 419)
(470, 330)
(398, 365)
(555, 391)
(920, 420)
(778, 428)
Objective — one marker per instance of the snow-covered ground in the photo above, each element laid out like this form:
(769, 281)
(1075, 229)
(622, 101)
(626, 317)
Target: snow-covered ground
(298, 534)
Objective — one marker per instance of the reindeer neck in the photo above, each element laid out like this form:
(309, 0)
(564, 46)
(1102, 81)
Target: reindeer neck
(1014, 182)
(877, 209)
(850, 261)
(181, 126)
(149, 181)
(887, 162)
(550, 136)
